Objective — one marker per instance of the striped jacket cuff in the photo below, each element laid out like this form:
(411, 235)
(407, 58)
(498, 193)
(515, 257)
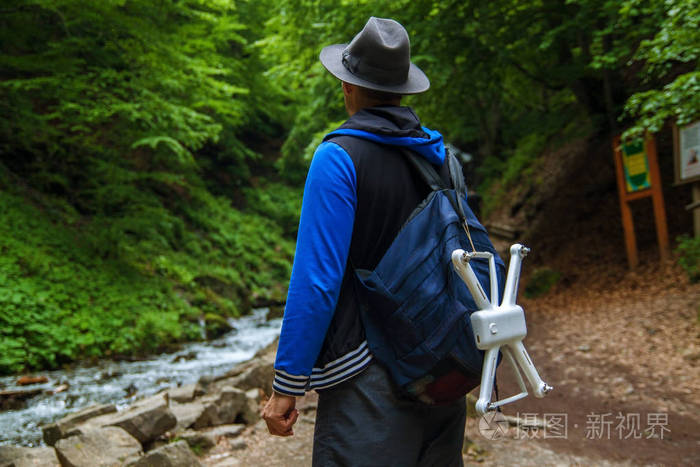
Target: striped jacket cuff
(291, 385)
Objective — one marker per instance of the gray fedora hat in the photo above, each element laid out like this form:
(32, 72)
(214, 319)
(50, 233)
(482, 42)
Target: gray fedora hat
(379, 58)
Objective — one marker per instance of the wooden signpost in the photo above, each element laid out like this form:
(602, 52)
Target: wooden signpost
(686, 151)
(638, 177)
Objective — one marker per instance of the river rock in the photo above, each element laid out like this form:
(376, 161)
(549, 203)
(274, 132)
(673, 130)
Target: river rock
(255, 394)
(59, 389)
(66, 426)
(207, 439)
(198, 440)
(27, 380)
(101, 447)
(146, 420)
(15, 399)
(257, 373)
(186, 414)
(251, 410)
(185, 393)
(172, 455)
(262, 357)
(222, 408)
(184, 357)
(238, 445)
(15, 456)
(226, 431)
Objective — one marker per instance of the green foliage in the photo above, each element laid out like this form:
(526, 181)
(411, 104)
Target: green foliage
(689, 256)
(278, 202)
(75, 288)
(60, 303)
(541, 281)
(132, 74)
(122, 126)
(674, 46)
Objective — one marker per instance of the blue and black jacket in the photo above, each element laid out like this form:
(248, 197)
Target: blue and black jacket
(359, 191)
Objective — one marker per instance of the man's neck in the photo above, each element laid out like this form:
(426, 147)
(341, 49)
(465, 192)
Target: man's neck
(352, 112)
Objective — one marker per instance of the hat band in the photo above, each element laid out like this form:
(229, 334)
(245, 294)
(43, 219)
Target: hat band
(376, 75)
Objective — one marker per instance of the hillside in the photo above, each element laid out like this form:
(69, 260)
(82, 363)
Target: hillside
(567, 209)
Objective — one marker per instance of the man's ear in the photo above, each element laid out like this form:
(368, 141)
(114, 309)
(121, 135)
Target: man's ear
(351, 96)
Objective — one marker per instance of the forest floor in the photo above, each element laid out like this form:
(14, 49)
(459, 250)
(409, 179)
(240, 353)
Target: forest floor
(621, 349)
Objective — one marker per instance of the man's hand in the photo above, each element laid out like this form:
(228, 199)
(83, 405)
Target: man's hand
(280, 415)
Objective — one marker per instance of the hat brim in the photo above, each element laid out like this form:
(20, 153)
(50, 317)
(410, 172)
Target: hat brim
(332, 59)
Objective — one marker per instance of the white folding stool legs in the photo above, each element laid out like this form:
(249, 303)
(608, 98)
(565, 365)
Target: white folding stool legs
(499, 327)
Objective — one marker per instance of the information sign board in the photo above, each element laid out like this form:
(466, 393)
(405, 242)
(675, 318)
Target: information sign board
(687, 153)
(636, 165)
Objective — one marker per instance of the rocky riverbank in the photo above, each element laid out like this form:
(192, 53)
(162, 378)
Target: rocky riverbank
(168, 429)
(26, 408)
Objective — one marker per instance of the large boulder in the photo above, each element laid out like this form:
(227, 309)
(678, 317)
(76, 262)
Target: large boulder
(227, 406)
(15, 456)
(256, 373)
(186, 414)
(171, 455)
(67, 425)
(146, 420)
(222, 408)
(100, 447)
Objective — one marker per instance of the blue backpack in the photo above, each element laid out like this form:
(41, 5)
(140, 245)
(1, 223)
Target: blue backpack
(414, 307)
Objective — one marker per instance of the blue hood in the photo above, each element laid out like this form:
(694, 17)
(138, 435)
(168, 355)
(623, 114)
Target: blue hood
(395, 126)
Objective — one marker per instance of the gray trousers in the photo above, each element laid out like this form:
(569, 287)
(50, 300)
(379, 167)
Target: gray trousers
(362, 422)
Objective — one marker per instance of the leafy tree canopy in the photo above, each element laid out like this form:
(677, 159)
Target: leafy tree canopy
(507, 76)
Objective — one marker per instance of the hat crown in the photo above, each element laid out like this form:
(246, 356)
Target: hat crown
(380, 53)
(377, 58)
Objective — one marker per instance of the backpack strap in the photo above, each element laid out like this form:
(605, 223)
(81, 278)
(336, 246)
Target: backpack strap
(457, 178)
(456, 175)
(426, 171)
(436, 183)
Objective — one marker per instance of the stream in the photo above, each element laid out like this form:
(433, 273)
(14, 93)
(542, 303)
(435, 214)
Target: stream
(120, 382)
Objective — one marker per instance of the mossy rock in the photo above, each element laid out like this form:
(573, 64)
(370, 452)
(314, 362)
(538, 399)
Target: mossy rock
(215, 325)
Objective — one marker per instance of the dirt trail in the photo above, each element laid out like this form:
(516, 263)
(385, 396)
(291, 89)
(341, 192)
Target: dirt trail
(621, 344)
(622, 351)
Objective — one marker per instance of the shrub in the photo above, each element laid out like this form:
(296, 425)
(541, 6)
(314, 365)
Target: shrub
(689, 256)
(541, 281)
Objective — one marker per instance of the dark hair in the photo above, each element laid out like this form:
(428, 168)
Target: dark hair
(381, 96)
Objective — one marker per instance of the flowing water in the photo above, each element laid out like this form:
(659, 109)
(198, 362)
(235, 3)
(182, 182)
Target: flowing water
(120, 383)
